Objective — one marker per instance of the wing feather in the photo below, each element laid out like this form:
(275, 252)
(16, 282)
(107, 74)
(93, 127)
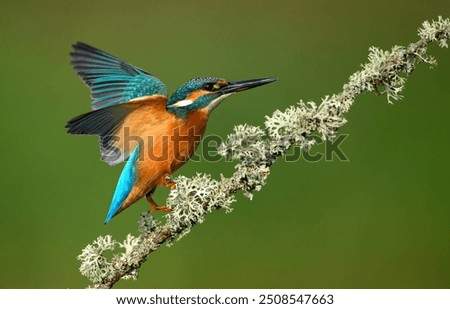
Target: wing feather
(104, 123)
(111, 80)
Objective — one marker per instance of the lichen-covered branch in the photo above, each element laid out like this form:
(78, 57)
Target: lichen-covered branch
(256, 149)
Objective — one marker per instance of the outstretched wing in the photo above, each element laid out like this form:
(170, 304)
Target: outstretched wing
(119, 126)
(112, 81)
(103, 122)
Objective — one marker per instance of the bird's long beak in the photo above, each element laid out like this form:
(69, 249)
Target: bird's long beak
(236, 86)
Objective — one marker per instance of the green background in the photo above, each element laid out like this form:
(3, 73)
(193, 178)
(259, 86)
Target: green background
(380, 220)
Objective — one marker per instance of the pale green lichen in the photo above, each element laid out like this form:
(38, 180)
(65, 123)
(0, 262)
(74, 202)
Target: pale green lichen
(97, 267)
(436, 31)
(192, 199)
(146, 223)
(255, 149)
(246, 144)
(94, 264)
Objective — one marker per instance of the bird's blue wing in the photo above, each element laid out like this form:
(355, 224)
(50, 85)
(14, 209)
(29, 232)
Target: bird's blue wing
(112, 81)
(124, 185)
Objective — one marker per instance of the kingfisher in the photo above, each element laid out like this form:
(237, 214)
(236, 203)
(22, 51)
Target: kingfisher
(136, 123)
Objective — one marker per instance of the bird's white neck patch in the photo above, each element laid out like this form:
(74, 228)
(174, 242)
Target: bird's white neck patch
(210, 107)
(183, 103)
(214, 103)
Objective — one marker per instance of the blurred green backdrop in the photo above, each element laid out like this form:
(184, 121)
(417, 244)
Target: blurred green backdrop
(380, 220)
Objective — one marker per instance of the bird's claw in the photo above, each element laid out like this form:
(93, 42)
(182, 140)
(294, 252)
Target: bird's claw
(168, 182)
(160, 208)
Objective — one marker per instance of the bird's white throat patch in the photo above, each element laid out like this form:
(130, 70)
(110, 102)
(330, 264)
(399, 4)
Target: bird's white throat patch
(216, 102)
(209, 107)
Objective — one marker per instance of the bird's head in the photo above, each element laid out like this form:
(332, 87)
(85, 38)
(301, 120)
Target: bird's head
(207, 93)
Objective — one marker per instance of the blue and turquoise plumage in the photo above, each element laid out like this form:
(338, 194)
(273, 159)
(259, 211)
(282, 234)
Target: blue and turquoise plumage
(133, 119)
(113, 84)
(111, 80)
(124, 185)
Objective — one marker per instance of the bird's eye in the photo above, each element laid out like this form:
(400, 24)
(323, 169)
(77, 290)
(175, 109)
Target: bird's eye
(212, 86)
(209, 86)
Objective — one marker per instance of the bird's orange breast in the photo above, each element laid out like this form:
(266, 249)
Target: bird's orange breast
(187, 136)
(166, 141)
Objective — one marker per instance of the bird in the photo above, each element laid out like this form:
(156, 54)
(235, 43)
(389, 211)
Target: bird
(138, 124)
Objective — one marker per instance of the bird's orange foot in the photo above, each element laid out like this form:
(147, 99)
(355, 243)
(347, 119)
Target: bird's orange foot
(168, 182)
(155, 206)
(160, 208)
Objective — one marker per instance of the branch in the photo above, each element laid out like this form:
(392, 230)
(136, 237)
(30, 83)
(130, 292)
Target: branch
(256, 149)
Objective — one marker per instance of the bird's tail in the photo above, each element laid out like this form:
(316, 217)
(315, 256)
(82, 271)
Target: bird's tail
(124, 186)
